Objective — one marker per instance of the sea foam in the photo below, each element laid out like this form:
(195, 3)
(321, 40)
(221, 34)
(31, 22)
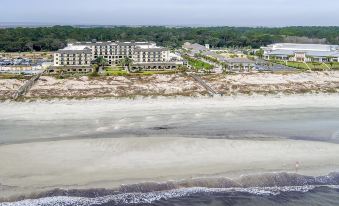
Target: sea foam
(147, 198)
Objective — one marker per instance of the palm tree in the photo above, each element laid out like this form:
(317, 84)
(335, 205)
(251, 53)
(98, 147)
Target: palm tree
(101, 62)
(260, 53)
(241, 66)
(126, 62)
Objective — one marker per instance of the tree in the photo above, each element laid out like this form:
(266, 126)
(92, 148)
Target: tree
(260, 53)
(241, 66)
(101, 62)
(54, 38)
(126, 62)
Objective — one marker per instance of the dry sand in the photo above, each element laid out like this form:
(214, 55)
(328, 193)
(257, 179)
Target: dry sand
(177, 85)
(274, 83)
(9, 86)
(111, 162)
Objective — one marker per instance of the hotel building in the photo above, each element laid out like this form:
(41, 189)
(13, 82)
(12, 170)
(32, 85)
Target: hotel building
(144, 55)
(302, 52)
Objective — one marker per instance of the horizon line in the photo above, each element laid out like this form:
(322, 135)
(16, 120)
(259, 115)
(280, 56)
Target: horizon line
(46, 24)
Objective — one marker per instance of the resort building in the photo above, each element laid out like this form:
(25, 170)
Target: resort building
(240, 64)
(144, 55)
(73, 55)
(195, 48)
(302, 52)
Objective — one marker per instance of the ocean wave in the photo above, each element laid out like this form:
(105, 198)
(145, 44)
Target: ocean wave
(145, 193)
(148, 198)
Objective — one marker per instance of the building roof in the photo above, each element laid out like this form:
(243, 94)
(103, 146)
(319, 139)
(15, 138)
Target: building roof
(316, 50)
(215, 55)
(240, 61)
(303, 47)
(133, 43)
(150, 49)
(75, 49)
(107, 43)
(308, 53)
(194, 47)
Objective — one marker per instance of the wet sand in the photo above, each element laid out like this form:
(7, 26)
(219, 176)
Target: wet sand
(41, 146)
(108, 163)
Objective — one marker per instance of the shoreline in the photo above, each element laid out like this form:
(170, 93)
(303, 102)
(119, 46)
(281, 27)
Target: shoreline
(131, 162)
(99, 162)
(273, 184)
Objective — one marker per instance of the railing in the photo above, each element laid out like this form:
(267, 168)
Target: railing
(26, 87)
(203, 84)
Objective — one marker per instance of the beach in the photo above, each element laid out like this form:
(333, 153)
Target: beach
(49, 87)
(106, 143)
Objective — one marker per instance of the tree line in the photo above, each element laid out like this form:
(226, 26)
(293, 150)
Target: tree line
(56, 37)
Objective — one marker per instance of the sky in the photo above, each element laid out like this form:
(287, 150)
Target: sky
(271, 13)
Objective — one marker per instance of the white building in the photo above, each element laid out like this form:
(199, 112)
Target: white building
(302, 52)
(240, 64)
(73, 55)
(147, 54)
(195, 48)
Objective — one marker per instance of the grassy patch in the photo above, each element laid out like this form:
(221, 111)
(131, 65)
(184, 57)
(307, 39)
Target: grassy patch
(14, 76)
(198, 64)
(316, 66)
(298, 65)
(115, 71)
(153, 72)
(333, 65)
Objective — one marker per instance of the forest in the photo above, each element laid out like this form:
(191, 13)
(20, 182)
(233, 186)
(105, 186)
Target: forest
(56, 37)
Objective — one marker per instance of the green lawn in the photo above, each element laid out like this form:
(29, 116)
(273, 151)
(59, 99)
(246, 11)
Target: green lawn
(316, 66)
(152, 72)
(298, 65)
(13, 76)
(109, 71)
(198, 64)
(278, 62)
(335, 65)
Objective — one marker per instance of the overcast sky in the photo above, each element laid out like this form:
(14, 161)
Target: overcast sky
(173, 12)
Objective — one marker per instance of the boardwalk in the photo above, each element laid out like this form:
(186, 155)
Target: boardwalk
(203, 84)
(26, 87)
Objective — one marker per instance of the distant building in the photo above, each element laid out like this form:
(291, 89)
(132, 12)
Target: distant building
(73, 55)
(81, 54)
(214, 55)
(195, 48)
(302, 52)
(240, 64)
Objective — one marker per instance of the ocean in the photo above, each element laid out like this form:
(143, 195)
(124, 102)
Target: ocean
(285, 196)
